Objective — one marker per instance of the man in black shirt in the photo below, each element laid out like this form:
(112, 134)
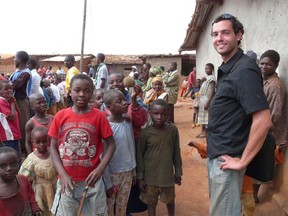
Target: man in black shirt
(239, 118)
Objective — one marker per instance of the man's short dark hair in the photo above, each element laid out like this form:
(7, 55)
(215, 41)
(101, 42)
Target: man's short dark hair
(101, 57)
(32, 62)
(174, 64)
(23, 56)
(237, 25)
(70, 58)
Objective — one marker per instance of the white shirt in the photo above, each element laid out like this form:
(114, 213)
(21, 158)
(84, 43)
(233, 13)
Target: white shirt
(102, 74)
(61, 88)
(36, 79)
(60, 72)
(55, 91)
(131, 74)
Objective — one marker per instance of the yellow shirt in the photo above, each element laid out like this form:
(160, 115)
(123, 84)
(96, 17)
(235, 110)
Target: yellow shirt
(71, 72)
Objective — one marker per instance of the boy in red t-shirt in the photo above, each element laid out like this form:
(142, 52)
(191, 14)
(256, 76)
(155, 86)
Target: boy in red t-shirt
(76, 146)
(9, 128)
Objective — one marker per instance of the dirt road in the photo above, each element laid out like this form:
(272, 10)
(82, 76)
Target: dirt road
(192, 197)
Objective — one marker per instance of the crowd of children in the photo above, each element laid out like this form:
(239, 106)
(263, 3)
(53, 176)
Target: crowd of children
(96, 147)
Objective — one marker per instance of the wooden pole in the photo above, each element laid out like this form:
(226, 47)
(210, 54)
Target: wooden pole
(83, 36)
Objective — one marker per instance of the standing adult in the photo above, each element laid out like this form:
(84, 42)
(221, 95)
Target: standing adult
(91, 70)
(275, 92)
(60, 71)
(239, 118)
(144, 74)
(36, 78)
(171, 86)
(69, 62)
(102, 75)
(42, 71)
(22, 83)
(191, 82)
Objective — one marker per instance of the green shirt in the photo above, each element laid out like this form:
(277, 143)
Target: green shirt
(158, 156)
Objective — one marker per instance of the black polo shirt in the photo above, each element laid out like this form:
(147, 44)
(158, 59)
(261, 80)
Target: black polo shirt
(239, 93)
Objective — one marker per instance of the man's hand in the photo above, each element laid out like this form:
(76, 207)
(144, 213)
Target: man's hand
(232, 163)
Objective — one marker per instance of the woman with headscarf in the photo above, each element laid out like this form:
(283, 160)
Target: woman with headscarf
(156, 91)
(153, 72)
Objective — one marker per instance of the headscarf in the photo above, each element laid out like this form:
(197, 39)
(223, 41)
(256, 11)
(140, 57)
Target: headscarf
(158, 78)
(156, 71)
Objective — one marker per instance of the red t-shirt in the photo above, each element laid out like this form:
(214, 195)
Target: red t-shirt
(9, 128)
(80, 140)
(21, 202)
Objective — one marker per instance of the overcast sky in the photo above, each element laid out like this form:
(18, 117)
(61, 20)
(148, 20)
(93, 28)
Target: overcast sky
(112, 26)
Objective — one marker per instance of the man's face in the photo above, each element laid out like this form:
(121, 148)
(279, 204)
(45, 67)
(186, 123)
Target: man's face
(17, 61)
(67, 63)
(224, 39)
(267, 66)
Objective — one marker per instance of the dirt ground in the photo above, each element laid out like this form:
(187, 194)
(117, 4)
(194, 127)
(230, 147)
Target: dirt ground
(192, 197)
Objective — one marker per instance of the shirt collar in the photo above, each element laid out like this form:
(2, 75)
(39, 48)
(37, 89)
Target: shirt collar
(226, 67)
(271, 78)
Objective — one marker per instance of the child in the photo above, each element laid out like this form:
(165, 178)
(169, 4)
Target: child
(159, 163)
(97, 99)
(121, 169)
(184, 86)
(195, 95)
(10, 134)
(138, 115)
(39, 169)
(76, 146)
(16, 195)
(39, 106)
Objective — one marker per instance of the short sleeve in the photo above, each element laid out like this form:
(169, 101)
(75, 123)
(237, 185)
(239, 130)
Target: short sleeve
(250, 91)
(27, 169)
(104, 126)
(5, 107)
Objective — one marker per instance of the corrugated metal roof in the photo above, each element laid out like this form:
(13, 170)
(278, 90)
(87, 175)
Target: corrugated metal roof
(202, 10)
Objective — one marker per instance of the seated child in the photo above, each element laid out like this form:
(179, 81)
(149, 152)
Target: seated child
(41, 118)
(159, 163)
(16, 195)
(10, 134)
(39, 169)
(121, 168)
(76, 145)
